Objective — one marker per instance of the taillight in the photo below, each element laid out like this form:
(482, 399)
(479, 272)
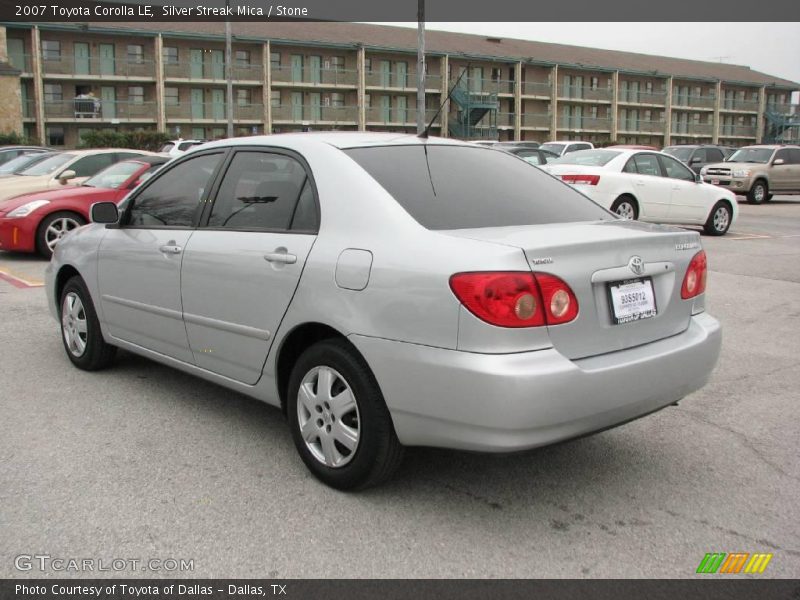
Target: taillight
(694, 282)
(581, 179)
(515, 299)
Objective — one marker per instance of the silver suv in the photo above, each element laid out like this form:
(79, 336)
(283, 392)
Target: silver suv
(758, 171)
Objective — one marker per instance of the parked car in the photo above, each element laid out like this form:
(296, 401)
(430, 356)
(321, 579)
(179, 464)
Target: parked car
(651, 186)
(35, 222)
(390, 291)
(757, 172)
(696, 157)
(505, 145)
(565, 147)
(8, 153)
(631, 147)
(72, 167)
(177, 147)
(534, 156)
(15, 166)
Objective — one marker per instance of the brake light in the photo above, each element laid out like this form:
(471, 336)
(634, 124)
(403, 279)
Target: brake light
(694, 282)
(515, 299)
(581, 179)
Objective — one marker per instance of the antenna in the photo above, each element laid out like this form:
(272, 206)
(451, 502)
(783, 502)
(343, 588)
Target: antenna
(424, 134)
(720, 58)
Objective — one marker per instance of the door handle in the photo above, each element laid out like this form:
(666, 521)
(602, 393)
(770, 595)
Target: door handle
(170, 248)
(280, 257)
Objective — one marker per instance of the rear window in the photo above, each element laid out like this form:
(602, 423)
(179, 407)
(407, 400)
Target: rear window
(589, 158)
(463, 187)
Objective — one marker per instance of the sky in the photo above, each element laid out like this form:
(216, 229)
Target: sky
(772, 48)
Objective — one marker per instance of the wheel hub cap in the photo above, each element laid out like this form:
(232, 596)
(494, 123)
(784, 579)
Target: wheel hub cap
(73, 325)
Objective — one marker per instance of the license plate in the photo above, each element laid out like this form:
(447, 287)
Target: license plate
(715, 182)
(632, 300)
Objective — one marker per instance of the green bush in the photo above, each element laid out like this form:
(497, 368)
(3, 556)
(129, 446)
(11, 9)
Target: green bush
(15, 139)
(136, 140)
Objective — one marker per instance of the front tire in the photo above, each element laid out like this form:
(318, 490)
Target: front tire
(338, 418)
(53, 228)
(719, 220)
(758, 193)
(80, 328)
(626, 207)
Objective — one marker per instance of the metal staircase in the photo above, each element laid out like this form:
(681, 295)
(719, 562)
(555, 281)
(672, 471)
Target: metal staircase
(781, 127)
(476, 117)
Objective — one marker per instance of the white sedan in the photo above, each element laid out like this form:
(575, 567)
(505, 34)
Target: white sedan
(647, 185)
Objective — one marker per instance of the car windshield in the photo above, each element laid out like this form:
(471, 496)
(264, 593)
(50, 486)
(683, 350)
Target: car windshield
(680, 152)
(589, 158)
(751, 155)
(20, 163)
(114, 176)
(48, 165)
(556, 148)
(465, 187)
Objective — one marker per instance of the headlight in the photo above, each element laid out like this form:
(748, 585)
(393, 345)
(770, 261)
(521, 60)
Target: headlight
(741, 172)
(703, 170)
(26, 209)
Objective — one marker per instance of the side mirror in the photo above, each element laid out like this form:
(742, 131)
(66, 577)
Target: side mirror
(698, 178)
(778, 161)
(104, 212)
(66, 176)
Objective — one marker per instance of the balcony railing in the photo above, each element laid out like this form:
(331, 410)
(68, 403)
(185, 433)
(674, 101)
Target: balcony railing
(572, 92)
(214, 71)
(541, 120)
(28, 109)
(395, 79)
(213, 111)
(694, 129)
(640, 126)
(498, 86)
(100, 110)
(684, 101)
(630, 96)
(738, 104)
(397, 116)
(315, 114)
(22, 62)
(783, 108)
(94, 66)
(309, 76)
(505, 119)
(737, 130)
(536, 88)
(585, 123)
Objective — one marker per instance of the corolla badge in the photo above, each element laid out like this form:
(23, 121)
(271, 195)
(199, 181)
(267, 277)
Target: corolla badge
(636, 265)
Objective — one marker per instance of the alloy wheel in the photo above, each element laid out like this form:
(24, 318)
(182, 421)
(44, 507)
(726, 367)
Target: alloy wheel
(721, 219)
(625, 210)
(73, 324)
(58, 229)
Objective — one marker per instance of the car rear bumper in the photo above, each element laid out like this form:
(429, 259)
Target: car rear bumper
(17, 235)
(511, 402)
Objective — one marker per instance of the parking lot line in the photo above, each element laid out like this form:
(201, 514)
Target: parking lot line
(748, 236)
(19, 282)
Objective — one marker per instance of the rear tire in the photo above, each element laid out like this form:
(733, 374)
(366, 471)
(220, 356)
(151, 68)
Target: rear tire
(80, 328)
(53, 228)
(339, 421)
(626, 207)
(719, 220)
(758, 192)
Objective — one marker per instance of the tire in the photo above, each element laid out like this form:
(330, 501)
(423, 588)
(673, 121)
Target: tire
(80, 329)
(768, 198)
(53, 228)
(626, 207)
(758, 192)
(355, 412)
(719, 219)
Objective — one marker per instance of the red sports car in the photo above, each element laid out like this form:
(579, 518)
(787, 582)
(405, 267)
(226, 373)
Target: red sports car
(35, 222)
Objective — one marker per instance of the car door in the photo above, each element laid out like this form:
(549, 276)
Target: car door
(139, 261)
(240, 270)
(689, 200)
(780, 176)
(651, 189)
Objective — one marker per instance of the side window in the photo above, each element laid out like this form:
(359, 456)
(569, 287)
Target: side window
(305, 216)
(260, 191)
(89, 165)
(530, 156)
(784, 154)
(630, 166)
(572, 148)
(676, 170)
(714, 155)
(647, 164)
(794, 156)
(701, 154)
(126, 155)
(172, 200)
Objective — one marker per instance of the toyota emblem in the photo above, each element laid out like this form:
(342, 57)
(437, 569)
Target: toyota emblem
(636, 265)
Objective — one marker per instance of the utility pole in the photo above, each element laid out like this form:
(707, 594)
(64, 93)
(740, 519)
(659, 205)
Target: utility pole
(229, 74)
(420, 66)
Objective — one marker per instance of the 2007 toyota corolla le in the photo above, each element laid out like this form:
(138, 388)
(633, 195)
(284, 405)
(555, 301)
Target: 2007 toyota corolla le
(388, 291)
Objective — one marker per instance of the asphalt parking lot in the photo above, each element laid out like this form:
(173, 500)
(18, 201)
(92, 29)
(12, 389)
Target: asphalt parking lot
(141, 461)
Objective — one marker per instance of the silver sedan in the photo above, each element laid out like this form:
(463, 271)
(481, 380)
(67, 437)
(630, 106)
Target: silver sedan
(389, 291)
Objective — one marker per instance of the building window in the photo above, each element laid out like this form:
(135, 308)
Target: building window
(648, 87)
(337, 63)
(51, 51)
(337, 99)
(367, 101)
(275, 98)
(135, 53)
(595, 83)
(136, 94)
(171, 97)
(275, 60)
(242, 58)
(496, 74)
(242, 97)
(55, 136)
(368, 65)
(170, 55)
(53, 92)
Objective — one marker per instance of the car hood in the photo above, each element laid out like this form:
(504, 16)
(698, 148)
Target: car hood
(22, 184)
(66, 193)
(734, 165)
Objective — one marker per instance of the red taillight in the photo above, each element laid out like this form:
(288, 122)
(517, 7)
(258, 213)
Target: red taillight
(515, 299)
(694, 282)
(581, 179)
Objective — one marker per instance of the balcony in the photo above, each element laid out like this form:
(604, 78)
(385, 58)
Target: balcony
(379, 115)
(630, 96)
(213, 71)
(638, 126)
(783, 108)
(89, 110)
(584, 124)
(747, 131)
(692, 129)
(536, 121)
(79, 67)
(310, 114)
(28, 109)
(498, 86)
(571, 92)
(684, 101)
(400, 80)
(308, 77)
(195, 112)
(731, 104)
(23, 62)
(506, 119)
(537, 88)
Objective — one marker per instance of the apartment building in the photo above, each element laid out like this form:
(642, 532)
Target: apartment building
(72, 78)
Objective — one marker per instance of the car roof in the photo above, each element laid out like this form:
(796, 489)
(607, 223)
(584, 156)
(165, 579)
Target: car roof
(338, 139)
(566, 142)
